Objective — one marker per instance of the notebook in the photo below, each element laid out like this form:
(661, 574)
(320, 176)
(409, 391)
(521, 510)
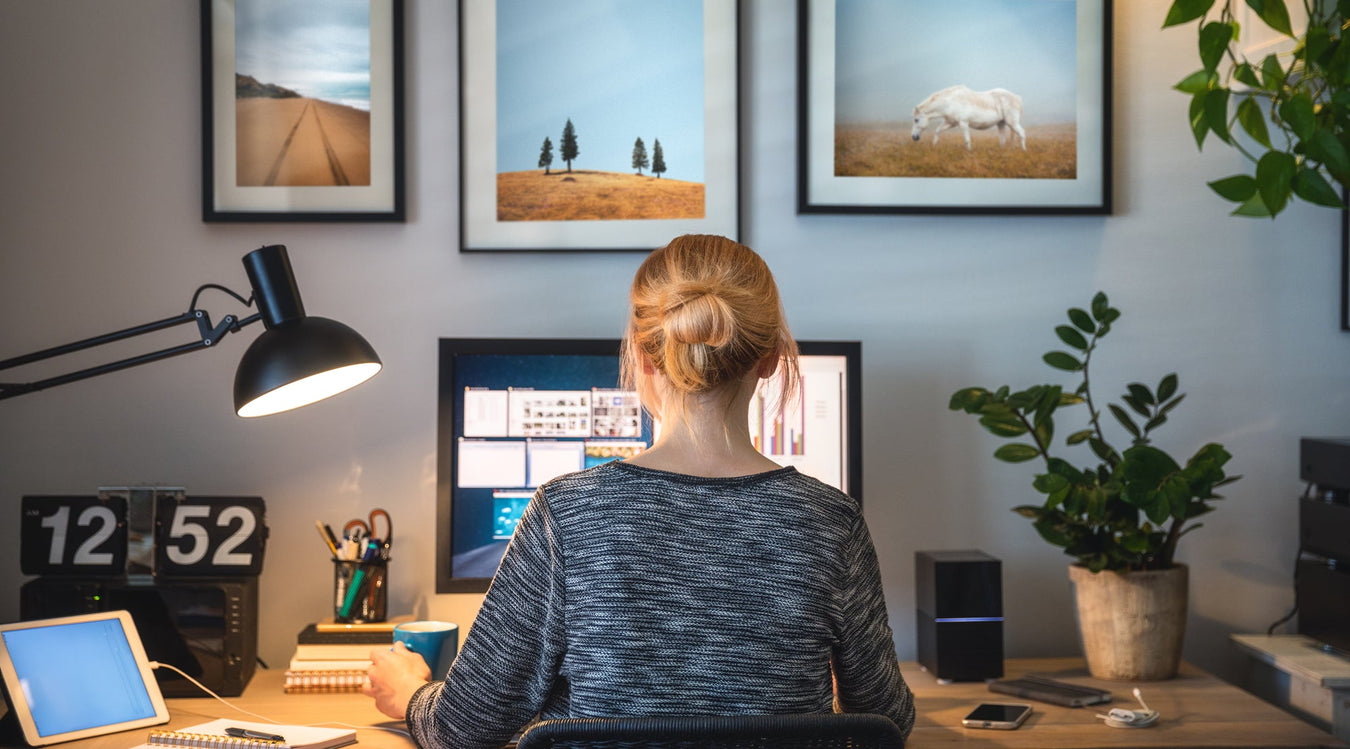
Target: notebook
(78, 676)
(213, 736)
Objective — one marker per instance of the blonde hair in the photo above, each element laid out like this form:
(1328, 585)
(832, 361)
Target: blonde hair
(705, 312)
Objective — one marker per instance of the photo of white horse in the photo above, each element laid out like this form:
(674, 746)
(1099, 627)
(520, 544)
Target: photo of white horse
(958, 106)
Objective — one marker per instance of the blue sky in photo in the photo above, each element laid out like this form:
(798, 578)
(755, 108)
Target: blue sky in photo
(891, 55)
(619, 70)
(319, 48)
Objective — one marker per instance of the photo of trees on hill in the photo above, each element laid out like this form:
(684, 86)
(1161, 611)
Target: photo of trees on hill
(582, 89)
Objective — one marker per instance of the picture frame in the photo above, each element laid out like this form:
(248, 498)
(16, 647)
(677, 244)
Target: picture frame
(531, 95)
(876, 82)
(302, 111)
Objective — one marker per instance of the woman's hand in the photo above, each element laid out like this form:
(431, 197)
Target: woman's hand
(395, 674)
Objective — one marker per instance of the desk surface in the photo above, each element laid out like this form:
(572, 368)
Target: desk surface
(1197, 710)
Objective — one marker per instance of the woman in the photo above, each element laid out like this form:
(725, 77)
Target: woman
(697, 578)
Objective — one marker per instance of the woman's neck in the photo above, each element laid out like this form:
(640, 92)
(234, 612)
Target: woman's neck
(708, 436)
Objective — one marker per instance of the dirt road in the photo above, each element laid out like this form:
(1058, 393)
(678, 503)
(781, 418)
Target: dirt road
(300, 142)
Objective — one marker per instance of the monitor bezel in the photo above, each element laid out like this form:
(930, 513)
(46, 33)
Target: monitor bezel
(22, 711)
(449, 348)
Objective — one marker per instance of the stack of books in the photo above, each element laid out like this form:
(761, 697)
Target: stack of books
(333, 657)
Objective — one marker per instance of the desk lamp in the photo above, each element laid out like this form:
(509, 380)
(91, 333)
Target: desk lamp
(297, 360)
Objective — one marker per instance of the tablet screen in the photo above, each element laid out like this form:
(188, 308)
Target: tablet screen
(78, 676)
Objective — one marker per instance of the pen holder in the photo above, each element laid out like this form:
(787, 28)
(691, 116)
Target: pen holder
(360, 590)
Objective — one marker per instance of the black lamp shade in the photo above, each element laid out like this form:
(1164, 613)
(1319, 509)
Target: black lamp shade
(298, 362)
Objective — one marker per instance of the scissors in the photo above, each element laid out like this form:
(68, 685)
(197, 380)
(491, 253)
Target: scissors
(358, 529)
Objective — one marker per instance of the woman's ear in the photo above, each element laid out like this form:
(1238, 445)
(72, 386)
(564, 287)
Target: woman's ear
(767, 366)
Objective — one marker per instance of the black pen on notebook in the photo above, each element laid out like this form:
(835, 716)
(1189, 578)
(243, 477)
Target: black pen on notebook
(244, 733)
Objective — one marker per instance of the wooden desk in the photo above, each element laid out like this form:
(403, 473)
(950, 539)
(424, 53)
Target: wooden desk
(1197, 710)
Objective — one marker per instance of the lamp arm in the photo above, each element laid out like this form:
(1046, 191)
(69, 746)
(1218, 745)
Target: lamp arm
(208, 336)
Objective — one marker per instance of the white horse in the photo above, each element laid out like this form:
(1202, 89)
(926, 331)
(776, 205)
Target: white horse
(958, 106)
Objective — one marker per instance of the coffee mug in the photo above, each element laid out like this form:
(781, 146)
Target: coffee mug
(436, 642)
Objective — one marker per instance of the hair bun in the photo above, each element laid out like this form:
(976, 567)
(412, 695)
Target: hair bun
(694, 313)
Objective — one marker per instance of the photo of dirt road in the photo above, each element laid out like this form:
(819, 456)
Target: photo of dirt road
(300, 141)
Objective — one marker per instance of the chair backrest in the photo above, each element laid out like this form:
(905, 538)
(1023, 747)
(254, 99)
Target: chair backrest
(823, 731)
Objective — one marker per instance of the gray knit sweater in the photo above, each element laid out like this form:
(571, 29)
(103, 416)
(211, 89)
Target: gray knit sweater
(628, 591)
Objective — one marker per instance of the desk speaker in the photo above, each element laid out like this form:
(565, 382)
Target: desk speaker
(960, 614)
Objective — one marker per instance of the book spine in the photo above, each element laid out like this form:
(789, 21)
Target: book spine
(210, 741)
(311, 682)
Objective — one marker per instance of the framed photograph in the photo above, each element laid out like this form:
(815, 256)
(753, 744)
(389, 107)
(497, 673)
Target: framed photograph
(597, 124)
(962, 106)
(302, 110)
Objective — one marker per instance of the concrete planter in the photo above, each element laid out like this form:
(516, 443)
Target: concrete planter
(1132, 624)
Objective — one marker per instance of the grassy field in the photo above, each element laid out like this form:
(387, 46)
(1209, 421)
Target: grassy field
(589, 195)
(888, 151)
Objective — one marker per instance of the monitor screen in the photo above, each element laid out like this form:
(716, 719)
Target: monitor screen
(514, 413)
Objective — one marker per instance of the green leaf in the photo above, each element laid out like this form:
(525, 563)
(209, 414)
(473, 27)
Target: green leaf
(1078, 437)
(1016, 452)
(1046, 406)
(1274, 179)
(1185, 11)
(1298, 112)
(1198, 82)
(1216, 112)
(969, 400)
(1167, 386)
(1100, 306)
(1253, 208)
(1253, 120)
(1274, 13)
(1272, 73)
(1243, 72)
(1325, 148)
(1002, 427)
(1310, 185)
(1061, 360)
(1135, 404)
(1214, 39)
(1072, 337)
(1083, 320)
(1141, 392)
(1155, 422)
(1199, 125)
(1124, 418)
(1049, 483)
(1172, 404)
(1102, 450)
(1236, 188)
(1316, 42)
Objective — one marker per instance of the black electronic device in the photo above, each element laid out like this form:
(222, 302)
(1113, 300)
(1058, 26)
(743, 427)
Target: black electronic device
(1322, 592)
(514, 413)
(1325, 463)
(208, 627)
(959, 612)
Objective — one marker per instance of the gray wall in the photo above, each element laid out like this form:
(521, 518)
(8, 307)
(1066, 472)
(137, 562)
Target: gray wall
(100, 228)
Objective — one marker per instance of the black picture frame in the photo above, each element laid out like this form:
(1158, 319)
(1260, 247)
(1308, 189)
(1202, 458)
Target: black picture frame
(270, 178)
(1345, 259)
(859, 152)
(503, 204)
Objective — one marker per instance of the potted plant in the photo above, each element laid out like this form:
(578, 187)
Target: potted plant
(1294, 107)
(1120, 519)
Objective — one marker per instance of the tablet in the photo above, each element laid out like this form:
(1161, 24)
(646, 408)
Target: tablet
(78, 676)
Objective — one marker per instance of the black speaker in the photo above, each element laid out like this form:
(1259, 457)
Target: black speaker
(960, 614)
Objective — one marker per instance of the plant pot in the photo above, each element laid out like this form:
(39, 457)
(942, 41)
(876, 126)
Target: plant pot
(1132, 623)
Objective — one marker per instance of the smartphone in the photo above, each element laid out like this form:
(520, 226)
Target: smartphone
(1004, 715)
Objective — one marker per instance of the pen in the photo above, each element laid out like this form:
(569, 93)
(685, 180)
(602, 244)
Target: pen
(244, 733)
(327, 535)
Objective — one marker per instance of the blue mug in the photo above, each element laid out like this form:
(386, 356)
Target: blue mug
(436, 642)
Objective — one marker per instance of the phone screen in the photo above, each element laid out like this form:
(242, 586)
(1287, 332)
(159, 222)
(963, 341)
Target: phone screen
(997, 713)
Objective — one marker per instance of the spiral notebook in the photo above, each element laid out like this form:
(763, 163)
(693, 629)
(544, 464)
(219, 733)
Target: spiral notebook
(212, 736)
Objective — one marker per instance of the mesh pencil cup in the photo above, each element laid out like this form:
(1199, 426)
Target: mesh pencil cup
(360, 590)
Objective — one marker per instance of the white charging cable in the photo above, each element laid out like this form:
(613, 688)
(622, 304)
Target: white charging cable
(1121, 718)
(227, 703)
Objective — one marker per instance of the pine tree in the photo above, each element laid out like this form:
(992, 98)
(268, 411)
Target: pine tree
(658, 159)
(639, 156)
(546, 155)
(567, 148)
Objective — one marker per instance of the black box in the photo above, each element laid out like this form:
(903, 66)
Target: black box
(1325, 462)
(1322, 593)
(959, 611)
(208, 627)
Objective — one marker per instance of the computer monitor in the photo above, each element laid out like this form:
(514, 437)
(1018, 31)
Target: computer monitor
(514, 413)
